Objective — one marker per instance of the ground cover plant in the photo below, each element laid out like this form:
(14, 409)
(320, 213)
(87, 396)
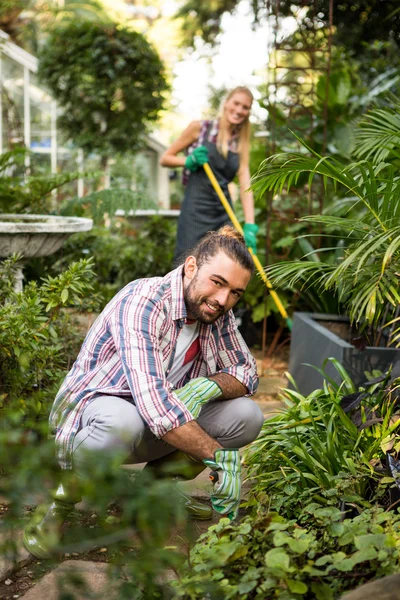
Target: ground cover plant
(317, 557)
(38, 341)
(323, 519)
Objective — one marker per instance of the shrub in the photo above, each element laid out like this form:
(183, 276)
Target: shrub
(317, 558)
(121, 254)
(313, 451)
(109, 82)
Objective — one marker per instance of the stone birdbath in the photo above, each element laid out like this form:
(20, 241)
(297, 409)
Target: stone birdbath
(36, 235)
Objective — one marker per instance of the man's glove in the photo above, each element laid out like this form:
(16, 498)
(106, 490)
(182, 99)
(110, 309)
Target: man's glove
(198, 392)
(225, 498)
(250, 236)
(197, 158)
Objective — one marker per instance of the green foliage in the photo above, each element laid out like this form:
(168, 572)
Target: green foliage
(37, 338)
(27, 194)
(132, 516)
(366, 277)
(106, 203)
(317, 558)
(121, 254)
(109, 82)
(356, 24)
(313, 451)
(27, 21)
(203, 19)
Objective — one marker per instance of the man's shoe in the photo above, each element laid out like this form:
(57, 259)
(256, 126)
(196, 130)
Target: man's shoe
(177, 465)
(196, 510)
(43, 532)
(182, 466)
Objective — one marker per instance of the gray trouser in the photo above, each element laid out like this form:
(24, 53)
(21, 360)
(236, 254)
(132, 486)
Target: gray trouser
(110, 424)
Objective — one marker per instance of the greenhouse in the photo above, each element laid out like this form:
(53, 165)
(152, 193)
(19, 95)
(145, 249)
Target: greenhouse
(29, 116)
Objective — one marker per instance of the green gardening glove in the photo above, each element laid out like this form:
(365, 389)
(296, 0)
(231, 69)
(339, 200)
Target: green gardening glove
(197, 158)
(225, 498)
(198, 392)
(250, 236)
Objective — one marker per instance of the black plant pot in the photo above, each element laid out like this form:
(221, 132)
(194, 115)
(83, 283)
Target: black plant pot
(312, 343)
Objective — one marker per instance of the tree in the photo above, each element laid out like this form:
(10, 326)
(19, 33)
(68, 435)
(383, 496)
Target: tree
(27, 22)
(108, 80)
(355, 22)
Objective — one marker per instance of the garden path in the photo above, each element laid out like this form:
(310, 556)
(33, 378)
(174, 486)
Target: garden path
(26, 577)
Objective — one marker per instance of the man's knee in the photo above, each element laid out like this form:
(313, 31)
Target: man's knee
(252, 419)
(234, 423)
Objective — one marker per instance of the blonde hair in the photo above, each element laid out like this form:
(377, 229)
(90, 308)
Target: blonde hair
(244, 128)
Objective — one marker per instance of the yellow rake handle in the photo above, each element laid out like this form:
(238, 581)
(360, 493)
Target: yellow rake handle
(238, 226)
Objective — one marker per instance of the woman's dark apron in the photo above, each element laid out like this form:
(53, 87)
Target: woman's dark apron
(201, 209)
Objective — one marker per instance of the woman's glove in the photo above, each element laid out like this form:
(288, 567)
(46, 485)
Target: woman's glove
(198, 392)
(250, 236)
(197, 158)
(225, 498)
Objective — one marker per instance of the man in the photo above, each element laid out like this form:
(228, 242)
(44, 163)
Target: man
(163, 374)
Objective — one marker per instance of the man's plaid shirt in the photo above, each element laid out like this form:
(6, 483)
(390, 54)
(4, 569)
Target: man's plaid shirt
(129, 352)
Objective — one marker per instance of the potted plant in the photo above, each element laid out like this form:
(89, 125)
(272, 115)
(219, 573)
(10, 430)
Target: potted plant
(365, 276)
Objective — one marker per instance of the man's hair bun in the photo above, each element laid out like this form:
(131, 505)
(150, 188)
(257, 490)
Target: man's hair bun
(230, 232)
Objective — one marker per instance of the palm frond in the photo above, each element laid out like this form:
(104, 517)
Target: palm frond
(378, 135)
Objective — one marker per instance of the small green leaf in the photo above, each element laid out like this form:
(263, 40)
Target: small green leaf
(376, 540)
(64, 295)
(322, 591)
(323, 560)
(296, 587)
(281, 538)
(277, 559)
(386, 480)
(336, 529)
(364, 555)
(246, 586)
(299, 546)
(346, 565)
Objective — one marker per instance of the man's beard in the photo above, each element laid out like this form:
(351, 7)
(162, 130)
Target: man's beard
(193, 305)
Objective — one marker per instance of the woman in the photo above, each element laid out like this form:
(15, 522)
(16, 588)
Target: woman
(224, 144)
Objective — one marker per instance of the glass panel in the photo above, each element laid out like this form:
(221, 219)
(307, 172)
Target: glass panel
(67, 163)
(138, 173)
(12, 91)
(92, 164)
(40, 106)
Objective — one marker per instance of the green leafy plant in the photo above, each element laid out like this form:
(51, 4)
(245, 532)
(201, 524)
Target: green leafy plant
(108, 80)
(122, 254)
(31, 193)
(317, 558)
(313, 451)
(366, 279)
(37, 338)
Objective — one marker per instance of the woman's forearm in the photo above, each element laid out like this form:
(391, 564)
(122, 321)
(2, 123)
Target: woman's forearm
(171, 157)
(172, 161)
(246, 195)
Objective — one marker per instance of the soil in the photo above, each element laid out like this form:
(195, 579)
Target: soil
(340, 328)
(351, 335)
